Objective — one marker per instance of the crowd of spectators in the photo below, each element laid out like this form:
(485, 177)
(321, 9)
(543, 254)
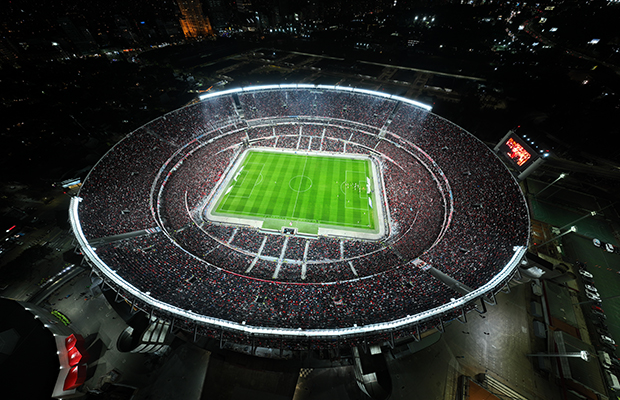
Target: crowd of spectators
(359, 108)
(367, 140)
(121, 185)
(269, 142)
(261, 132)
(315, 143)
(312, 130)
(273, 245)
(295, 248)
(355, 149)
(304, 142)
(333, 145)
(451, 204)
(324, 248)
(247, 239)
(287, 129)
(489, 214)
(191, 183)
(287, 142)
(183, 125)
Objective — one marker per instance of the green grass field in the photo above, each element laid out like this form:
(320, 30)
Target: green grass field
(306, 191)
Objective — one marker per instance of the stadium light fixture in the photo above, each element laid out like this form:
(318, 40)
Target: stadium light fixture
(413, 102)
(571, 230)
(221, 93)
(562, 176)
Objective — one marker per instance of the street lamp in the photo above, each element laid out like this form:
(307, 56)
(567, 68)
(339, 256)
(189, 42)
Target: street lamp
(562, 175)
(583, 354)
(572, 229)
(591, 214)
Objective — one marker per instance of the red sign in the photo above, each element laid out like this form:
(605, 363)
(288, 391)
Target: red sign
(517, 153)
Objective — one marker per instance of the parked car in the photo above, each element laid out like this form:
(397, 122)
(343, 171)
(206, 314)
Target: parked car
(607, 339)
(585, 273)
(599, 314)
(596, 242)
(592, 296)
(597, 308)
(591, 288)
(609, 247)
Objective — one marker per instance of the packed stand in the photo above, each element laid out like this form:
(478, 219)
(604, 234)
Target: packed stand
(192, 182)
(490, 216)
(121, 184)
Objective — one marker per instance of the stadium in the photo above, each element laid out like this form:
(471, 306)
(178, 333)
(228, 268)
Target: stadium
(303, 216)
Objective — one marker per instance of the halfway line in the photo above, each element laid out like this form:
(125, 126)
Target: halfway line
(299, 187)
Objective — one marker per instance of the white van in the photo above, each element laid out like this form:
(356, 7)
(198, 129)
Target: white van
(612, 380)
(604, 358)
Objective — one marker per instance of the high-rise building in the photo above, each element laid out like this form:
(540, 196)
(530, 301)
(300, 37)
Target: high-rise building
(220, 13)
(194, 23)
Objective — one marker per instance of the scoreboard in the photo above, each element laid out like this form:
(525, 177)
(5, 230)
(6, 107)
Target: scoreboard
(518, 152)
(523, 154)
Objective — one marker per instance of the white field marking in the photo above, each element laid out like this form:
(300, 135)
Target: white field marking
(368, 193)
(346, 200)
(259, 179)
(300, 181)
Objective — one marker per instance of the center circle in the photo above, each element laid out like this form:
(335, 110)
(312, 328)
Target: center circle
(300, 183)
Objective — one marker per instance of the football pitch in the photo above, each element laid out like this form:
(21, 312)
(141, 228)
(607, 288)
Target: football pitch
(303, 191)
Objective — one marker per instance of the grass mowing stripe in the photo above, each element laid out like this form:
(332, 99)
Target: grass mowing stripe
(325, 202)
(314, 197)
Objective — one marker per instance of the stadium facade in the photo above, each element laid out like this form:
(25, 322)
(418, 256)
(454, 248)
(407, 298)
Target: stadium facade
(455, 226)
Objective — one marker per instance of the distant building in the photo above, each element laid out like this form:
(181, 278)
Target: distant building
(79, 36)
(194, 23)
(170, 29)
(221, 13)
(125, 30)
(8, 51)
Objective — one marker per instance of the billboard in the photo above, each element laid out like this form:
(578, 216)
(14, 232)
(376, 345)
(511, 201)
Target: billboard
(518, 152)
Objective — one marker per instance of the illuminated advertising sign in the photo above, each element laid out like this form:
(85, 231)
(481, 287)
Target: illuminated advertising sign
(517, 153)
